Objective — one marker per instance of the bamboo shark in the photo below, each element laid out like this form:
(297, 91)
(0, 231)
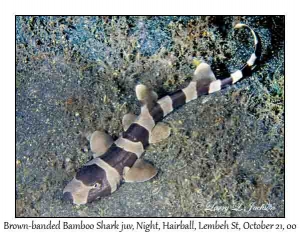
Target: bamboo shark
(116, 162)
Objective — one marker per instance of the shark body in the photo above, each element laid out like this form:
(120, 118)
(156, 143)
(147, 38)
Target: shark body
(119, 161)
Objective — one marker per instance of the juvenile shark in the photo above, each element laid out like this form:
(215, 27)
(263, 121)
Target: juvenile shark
(116, 162)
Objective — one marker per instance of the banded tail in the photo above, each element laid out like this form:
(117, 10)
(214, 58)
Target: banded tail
(205, 83)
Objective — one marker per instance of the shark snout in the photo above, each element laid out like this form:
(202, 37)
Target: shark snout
(76, 192)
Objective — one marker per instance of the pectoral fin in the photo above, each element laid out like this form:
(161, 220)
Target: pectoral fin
(127, 120)
(160, 132)
(203, 74)
(100, 142)
(140, 171)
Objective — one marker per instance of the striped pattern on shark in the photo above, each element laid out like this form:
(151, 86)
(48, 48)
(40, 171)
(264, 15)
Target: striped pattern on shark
(119, 161)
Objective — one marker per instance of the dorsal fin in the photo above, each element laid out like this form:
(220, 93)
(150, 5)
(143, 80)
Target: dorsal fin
(145, 95)
(203, 74)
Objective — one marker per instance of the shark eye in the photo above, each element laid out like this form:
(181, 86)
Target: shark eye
(97, 185)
